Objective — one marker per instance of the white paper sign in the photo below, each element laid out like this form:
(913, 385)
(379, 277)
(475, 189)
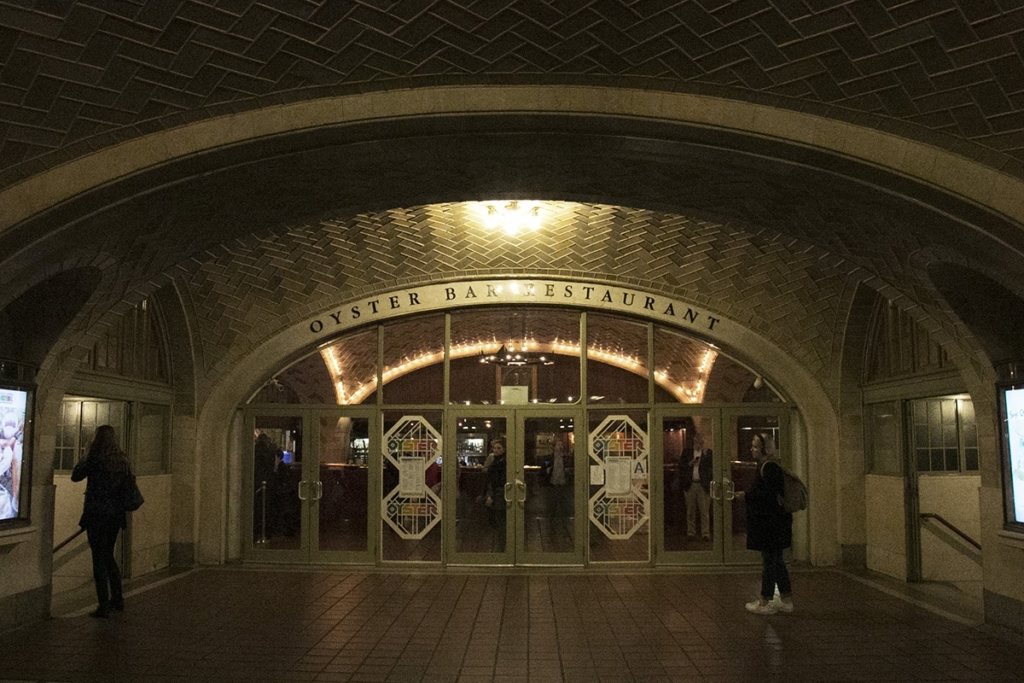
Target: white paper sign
(512, 396)
(596, 475)
(410, 477)
(619, 473)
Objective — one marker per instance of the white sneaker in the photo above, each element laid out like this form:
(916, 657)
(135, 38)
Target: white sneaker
(757, 607)
(783, 605)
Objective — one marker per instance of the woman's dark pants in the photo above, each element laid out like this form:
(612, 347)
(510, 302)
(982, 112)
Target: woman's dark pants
(102, 537)
(773, 571)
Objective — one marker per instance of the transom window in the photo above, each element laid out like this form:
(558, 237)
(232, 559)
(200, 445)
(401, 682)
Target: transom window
(517, 355)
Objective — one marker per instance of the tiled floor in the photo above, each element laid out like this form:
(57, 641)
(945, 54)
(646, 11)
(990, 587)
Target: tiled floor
(277, 625)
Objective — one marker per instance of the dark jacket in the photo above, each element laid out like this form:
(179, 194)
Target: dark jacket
(104, 493)
(704, 469)
(769, 526)
(496, 482)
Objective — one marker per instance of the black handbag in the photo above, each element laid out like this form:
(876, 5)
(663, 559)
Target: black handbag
(133, 499)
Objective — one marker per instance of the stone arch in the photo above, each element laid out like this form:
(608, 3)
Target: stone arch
(235, 386)
(928, 165)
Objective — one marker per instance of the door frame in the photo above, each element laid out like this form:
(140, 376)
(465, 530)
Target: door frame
(726, 438)
(515, 552)
(721, 513)
(308, 551)
(740, 555)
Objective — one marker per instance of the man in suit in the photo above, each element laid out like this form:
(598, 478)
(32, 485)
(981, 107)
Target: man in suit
(695, 476)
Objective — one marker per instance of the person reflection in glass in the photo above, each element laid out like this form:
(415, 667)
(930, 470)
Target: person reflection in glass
(494, 492)
(267, 458)
(696, 474)
(558, 480)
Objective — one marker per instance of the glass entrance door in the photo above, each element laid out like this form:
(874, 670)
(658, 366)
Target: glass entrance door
(707, 460)
(694, 465)
(742, 427)
(309, 496)
(516, 490)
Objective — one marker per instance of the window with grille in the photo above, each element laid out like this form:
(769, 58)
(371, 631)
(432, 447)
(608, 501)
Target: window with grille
(79, 418)
(945, 437)
(142, 429)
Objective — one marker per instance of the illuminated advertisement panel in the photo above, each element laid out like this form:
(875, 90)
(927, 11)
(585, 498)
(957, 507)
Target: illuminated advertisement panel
(1013, 407)
(13, 409)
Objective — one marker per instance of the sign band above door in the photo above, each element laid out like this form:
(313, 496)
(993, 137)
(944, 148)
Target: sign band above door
(583, 294)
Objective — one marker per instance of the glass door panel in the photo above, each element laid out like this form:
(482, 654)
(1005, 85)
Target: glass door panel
(412, 505)
(278, 487)
(479, 528)
(343, 485)
(545, 491)
(619, 505)
(691, 510)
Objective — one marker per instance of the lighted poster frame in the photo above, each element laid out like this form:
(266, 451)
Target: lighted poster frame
(1011, 419)
(16, 411)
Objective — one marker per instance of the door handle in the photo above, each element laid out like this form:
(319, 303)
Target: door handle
(319, 490)
(730, 493)
(508, 492)
(521, 485)
(301, 484)
(714, 487)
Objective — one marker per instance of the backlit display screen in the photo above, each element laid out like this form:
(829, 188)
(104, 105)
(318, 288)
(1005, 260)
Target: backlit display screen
(13, 407)
(1014, 407)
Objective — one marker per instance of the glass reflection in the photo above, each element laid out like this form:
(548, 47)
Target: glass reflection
(343, 492)
(484, 491)
(616, 360)
(515, 356)
(548, 510)
(277, 475)
(413, 361)
(688, 370)
(689, 447)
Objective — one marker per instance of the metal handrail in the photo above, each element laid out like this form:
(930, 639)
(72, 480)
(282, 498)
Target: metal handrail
(942, 520)
(71, 538)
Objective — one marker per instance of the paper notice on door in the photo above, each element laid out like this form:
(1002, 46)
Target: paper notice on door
(596, 475)
(618, 472)
(410, 477)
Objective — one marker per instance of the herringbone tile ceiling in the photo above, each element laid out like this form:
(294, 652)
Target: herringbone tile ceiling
(76, 76)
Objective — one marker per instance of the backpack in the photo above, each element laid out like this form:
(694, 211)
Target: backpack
(794, 492)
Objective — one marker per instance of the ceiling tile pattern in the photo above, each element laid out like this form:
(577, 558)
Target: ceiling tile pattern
(76, 76)
(755, 280)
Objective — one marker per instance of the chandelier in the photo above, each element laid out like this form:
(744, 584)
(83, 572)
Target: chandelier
(508, 356)
(513, 358)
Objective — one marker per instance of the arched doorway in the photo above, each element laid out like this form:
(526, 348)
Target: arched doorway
(501, 435)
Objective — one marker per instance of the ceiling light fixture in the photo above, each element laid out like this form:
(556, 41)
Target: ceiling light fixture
(511, 217)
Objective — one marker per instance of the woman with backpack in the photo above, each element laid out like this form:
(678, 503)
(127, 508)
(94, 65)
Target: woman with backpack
(769, 527)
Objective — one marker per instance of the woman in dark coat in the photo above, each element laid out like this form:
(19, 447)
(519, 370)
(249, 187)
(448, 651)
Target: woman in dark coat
(769, 528)
(106, 468)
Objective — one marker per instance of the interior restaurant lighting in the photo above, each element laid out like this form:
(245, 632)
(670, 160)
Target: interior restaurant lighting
(526, 352)
(510, 357)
